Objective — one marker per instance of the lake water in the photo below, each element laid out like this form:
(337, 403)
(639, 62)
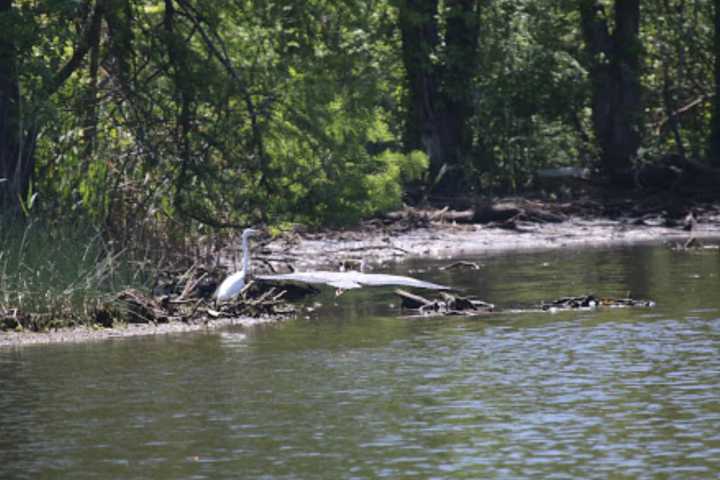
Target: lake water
(353, 391)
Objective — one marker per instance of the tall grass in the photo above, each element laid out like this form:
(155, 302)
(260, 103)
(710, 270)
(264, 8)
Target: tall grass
(61, 273)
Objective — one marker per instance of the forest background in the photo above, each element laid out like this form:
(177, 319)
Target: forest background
(155, 118)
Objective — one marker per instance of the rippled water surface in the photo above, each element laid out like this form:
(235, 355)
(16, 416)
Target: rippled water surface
(353, 391)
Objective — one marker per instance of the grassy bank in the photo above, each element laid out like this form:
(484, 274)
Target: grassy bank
(54, 275)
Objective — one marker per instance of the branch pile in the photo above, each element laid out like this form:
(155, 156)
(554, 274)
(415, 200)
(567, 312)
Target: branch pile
(447, 304)
(179, 296)
(589, 302)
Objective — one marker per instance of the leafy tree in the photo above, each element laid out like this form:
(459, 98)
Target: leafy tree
(218, 112)
(156, 114)
(25, 28)
(530, 96)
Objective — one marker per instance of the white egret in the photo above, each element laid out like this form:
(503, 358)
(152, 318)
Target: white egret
(233, 284)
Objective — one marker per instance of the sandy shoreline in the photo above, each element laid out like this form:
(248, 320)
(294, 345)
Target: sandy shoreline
(438, 241)
(87, 334)
(450, 241)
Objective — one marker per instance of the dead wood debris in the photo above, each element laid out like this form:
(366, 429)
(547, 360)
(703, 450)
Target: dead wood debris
(447, 304)
(193, 302)
(693, 244)
(461, 265)
(269, 303)
(13, 319)
(592, 302)
(483, 212)
(513, 213)
(179, 296)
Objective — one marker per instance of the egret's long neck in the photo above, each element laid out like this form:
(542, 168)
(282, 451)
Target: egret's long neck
(246, 255)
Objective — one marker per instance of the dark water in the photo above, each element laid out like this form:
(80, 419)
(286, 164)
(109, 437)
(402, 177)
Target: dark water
(355, 392)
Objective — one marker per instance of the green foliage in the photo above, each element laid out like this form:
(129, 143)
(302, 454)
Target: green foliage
(385, 187)
(226, 113)
(532, 93)
(249, 111)
(678, 76)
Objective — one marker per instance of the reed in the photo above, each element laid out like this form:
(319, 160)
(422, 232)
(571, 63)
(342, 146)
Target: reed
(60, 273)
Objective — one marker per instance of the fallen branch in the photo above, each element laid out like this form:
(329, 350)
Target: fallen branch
(461, 264)
(588, 302)
(448, 304)
(412, 301)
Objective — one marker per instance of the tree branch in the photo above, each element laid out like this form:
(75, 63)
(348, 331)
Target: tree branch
(86, 41)
(222, 56)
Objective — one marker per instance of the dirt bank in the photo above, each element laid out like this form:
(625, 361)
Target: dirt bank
(86, 334)
(378, 243)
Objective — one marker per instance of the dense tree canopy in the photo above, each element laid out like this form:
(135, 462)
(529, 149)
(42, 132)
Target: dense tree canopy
(227, 112)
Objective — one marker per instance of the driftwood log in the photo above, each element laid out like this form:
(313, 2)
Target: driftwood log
(462, 264)
(448, 304)
(592, 301)
(484, 212)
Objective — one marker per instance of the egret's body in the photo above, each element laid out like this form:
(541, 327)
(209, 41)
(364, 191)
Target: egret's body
(233, 285)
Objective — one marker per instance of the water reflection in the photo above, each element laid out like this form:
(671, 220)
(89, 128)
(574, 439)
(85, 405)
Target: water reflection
(233, 339)
(355, 392)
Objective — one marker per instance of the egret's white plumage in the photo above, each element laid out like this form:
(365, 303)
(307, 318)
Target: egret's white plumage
(232, 285)
(351, 279)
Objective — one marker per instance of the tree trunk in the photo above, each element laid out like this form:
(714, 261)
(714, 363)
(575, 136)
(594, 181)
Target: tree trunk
(14, 171)
(615, 77)
(458, 76)
(715, 126)
(439, 102)
(419, 31)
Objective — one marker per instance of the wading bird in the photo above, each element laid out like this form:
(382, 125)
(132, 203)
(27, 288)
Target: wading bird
(233, 284)
(341, 281)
